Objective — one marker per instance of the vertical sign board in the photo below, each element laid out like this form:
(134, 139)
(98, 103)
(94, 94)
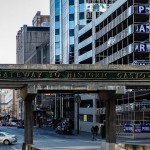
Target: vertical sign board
(141, 47)
(141, 28)
(141, 9)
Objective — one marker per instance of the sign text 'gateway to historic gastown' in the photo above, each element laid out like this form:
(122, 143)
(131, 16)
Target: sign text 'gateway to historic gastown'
(74, 74)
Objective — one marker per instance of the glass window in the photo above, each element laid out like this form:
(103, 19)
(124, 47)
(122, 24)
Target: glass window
(82, 22)
(57, 18)
(71, 48)
(71, 32)
(71, 24)
(71, 40)
(71, 17)
(57, 25)
(81, 1)
(57, 12)
(71, 2)
(71, 9)
(57, 51)
(81, 7)
(81, 15)
(57, 38)
(57, 44)
(57, 32)
(86, 103)
(57, 59)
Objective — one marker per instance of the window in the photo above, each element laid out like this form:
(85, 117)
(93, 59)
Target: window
(71, 2)
(71, 17)
(56, 18)
(57, 32)
(71, 32)
(71, 24)
(86, 103)
(71, 9)
(57, 25)
(81, 1)
(81, 15)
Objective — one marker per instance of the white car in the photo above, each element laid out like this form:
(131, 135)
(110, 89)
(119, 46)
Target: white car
(7, 138)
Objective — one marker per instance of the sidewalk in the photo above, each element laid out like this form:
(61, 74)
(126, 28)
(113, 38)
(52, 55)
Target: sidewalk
(82, 135)
(86, 135)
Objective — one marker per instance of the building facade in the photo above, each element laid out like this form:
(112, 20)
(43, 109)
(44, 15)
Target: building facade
(65, 15)
(27, 40)
(118, 36)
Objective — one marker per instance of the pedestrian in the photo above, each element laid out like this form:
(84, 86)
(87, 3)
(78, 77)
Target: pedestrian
(93, 133)
(96, 130)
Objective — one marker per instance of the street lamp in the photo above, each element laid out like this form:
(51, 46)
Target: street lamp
(78, 100)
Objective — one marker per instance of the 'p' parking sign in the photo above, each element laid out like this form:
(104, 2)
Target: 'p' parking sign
(141, 9)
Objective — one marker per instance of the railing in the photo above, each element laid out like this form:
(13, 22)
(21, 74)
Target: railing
(114, 22)
(137, 106)
(114, 40)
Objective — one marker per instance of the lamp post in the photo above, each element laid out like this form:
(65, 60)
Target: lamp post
(78, 100)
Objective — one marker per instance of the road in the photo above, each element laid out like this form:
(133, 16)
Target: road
(49, 140)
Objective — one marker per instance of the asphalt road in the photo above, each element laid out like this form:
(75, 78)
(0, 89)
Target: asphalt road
(49, 140)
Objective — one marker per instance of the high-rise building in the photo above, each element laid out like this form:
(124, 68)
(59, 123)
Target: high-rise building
(65, 15)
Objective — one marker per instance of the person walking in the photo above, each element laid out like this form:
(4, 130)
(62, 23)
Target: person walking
(96, 130)
(93, 133)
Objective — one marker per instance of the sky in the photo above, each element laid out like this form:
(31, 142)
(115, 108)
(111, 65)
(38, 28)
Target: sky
(15, 14)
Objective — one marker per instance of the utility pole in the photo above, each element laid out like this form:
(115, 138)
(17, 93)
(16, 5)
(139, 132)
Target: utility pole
(78, 100)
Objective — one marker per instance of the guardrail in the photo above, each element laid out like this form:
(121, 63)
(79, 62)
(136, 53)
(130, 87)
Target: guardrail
(31, 147)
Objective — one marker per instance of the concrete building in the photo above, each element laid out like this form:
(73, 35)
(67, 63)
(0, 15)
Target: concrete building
(27, 40)
(32, 47)
(118, 36)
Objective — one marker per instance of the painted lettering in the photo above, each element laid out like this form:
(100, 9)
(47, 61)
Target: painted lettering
(18, 75)
(33, 75)
(39, 74)
(26, 74)
(5, 75)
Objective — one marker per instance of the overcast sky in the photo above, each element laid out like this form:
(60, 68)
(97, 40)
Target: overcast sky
(15, 14)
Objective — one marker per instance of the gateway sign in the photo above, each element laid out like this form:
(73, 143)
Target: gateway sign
(75, 74)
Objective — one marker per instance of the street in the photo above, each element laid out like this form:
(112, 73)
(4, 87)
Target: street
(47, 139)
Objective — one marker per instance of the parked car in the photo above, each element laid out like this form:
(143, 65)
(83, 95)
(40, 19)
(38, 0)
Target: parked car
(7, 138)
